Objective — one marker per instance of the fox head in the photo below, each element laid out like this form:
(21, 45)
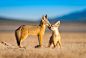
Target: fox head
(55, 26)
(44, 21)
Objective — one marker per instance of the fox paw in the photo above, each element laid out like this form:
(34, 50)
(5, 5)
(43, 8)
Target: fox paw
(22, 47)
(39, 46)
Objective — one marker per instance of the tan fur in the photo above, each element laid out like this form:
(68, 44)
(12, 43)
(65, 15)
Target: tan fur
(22, 32)
(55, 38)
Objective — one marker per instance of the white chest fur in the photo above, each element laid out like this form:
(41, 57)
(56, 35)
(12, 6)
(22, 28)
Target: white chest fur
(56, 31)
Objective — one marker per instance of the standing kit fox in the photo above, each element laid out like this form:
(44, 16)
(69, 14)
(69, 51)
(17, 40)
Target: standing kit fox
(22, 32)
(55, 38)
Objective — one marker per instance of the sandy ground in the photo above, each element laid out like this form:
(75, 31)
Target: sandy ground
(73, 46)
(73, 41)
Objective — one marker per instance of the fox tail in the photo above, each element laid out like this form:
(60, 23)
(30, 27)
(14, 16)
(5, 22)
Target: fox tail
(18, 35)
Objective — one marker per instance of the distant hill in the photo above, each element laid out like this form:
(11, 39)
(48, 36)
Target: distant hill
(79, 16)
(7, 19)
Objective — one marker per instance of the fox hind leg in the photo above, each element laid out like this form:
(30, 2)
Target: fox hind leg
(50, 43)
(54, 43)
(22, 38)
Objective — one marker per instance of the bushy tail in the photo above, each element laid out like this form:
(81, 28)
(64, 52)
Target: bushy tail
(18, 35)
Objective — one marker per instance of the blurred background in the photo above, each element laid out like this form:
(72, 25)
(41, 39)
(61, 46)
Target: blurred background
(71, 13)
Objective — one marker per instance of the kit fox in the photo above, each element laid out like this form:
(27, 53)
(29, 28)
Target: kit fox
(22, 32)
(55, 38)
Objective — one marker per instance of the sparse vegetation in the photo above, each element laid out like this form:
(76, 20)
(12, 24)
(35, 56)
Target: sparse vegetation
(74, 46)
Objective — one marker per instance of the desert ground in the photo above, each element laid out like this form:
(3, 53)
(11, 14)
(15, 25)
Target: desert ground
(73, 38)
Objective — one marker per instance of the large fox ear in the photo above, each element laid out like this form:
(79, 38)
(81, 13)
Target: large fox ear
(57, 23)
(42, 16)
(46, 16)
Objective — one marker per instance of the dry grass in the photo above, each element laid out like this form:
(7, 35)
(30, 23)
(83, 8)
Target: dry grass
(74, 46)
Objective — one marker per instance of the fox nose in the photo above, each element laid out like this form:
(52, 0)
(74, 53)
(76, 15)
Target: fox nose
(49, 26)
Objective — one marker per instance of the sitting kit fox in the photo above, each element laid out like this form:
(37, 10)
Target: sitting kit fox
(55, 38)
(22, 32)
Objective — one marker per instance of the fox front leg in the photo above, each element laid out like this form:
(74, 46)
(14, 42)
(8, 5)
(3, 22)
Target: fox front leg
(40, 42)
(60, 44)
